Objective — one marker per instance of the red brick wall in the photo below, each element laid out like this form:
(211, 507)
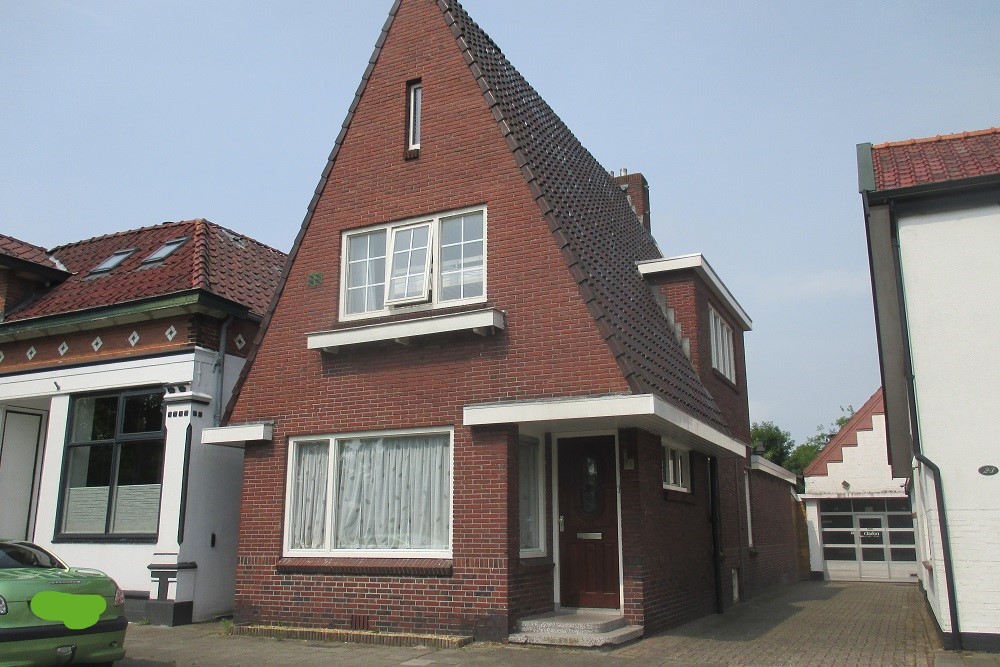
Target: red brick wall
(550, 347)
(667, 539)
(773, 560)
(13, 289)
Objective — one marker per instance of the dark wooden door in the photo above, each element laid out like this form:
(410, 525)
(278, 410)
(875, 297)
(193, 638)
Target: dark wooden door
(588, 528)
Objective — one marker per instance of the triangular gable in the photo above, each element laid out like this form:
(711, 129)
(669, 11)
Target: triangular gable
(597, 232)
(847, 436)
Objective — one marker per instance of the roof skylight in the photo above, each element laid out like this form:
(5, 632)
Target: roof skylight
(113, 261)
(165, 251)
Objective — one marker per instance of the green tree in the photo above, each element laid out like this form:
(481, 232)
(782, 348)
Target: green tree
(777, 444)
(800, 457)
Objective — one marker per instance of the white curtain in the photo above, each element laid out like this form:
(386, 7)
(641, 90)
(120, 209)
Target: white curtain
(393, 493)
(309, 484)
(529, 493)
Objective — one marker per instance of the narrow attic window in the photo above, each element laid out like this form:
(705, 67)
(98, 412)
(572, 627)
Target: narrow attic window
(113, 261)
(414, 97)
(723, 357)
(165, 251)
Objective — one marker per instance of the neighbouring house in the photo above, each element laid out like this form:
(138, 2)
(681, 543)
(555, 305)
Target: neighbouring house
(482, 394)
(933, 225)
(115, 352)
(859, 516)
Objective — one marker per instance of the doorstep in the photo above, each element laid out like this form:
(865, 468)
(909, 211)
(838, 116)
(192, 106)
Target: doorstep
(353, 636)
(576, 627)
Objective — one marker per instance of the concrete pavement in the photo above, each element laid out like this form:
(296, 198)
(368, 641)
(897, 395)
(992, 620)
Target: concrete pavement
(809, 624)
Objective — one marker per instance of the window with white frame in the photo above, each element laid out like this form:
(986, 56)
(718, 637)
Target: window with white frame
(532, 497)
(676, 468)
(723, 359)
(435, 261)
(370, 494)
(414, 98)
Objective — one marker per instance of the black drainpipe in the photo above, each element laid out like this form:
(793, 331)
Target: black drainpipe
(911, 397)
(716, 536)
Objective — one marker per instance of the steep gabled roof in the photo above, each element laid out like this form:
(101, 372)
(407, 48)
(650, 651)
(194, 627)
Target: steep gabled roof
(938, 159)
(597, 231)
(212, 258)
(593, 224)
(847, 436)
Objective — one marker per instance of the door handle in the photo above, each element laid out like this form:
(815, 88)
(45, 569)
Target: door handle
(562, 524)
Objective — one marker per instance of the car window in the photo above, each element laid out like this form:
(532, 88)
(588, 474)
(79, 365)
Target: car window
(23, 555)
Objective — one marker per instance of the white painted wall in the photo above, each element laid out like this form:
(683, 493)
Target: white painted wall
(865, 468)
(213, 489)
(951, 283)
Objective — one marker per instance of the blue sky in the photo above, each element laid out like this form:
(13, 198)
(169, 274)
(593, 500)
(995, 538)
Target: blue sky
(743, 116)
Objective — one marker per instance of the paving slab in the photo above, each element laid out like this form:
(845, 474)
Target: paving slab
(818, 624)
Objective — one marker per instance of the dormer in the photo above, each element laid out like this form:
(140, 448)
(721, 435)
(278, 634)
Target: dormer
(710, 324)
(25, 270)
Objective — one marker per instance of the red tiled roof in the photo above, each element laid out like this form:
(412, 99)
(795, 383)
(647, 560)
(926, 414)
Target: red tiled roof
(22, 250)
(213, 258)
(951, 157)
(847, 436)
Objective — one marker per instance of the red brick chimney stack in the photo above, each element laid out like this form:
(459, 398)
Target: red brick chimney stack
(637, 189)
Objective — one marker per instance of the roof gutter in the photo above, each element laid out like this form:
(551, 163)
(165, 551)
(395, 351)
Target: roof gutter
(188, 301)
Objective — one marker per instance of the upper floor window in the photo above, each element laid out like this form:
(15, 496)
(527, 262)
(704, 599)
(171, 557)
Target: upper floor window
(439, 260)
(723, 359)
(113, 465)
(414, 97)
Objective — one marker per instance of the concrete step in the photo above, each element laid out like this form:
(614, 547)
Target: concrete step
(583, 620)
(578, 638)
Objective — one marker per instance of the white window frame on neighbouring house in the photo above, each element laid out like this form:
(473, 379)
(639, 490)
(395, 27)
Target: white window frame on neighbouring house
(531, 490)
(414, 110)
(676, 468)
(450, 263)
(723, 355)
(314, 493)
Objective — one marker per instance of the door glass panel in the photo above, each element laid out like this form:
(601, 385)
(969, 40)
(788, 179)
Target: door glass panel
(839, 553)
(873, 554)
(837, 521)
(590, 500)
(905, 555)
(869, 522)
(869, 505)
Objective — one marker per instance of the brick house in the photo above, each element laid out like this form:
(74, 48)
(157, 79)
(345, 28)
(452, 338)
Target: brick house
(114, 353)
(482, 393)
(933, 229)
(859, 517)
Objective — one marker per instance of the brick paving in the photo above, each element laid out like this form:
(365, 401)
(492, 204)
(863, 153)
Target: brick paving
(811, 624)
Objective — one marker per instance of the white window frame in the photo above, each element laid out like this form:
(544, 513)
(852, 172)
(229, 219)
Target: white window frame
(414, 115)
(684, 456)
(333, 441)
(432, 300)
(390, 252)
(723, 345)
(542, 549)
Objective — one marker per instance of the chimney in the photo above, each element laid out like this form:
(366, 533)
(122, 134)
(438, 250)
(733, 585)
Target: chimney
(637, 190)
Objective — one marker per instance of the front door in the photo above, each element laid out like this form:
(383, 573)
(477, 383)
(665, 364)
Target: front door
(588, 523)
(871, 539)
(18, 459)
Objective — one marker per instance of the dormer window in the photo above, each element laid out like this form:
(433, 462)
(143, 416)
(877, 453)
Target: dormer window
(723, 358)
(113, 261)
(414, 96)
(426, 262)
(164, 251)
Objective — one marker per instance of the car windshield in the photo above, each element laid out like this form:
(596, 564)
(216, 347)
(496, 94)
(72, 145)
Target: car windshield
(26, 555)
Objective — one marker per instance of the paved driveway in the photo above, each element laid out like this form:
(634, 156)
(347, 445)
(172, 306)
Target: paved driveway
(810, 623)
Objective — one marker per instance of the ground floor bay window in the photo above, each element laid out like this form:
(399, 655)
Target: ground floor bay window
(113, 466)
(370, 494)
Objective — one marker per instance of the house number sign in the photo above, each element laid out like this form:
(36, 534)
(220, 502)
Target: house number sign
(989, 470)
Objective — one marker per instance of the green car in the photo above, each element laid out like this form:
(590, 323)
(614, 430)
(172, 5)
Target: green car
(51, 614)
